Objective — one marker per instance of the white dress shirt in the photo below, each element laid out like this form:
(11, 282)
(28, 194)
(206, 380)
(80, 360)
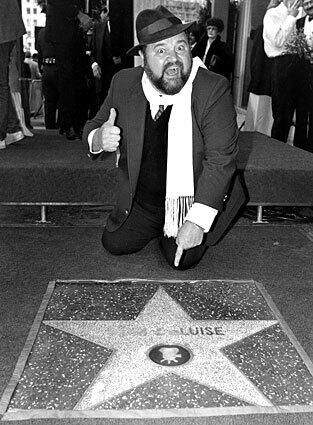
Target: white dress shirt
(277, 28)
(208, 45)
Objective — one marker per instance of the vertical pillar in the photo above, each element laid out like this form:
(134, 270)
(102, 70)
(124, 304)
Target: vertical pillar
(220, 10)
(244, 27)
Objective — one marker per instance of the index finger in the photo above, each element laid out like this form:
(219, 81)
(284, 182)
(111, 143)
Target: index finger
(178, 254)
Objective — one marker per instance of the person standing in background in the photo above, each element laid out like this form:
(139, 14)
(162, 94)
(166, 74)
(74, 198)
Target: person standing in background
(259, 110)
(35, 92)
(278, 25)
(103, 66)
(121, 32)
(11, 29)
(50, 83)
(15, 83)
(65, 23)
(33, 66)
(213, 51)
(304, 111)
(193, 37)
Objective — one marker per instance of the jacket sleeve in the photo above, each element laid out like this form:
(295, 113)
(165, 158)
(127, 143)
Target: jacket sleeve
(219, 132)
(93, 54)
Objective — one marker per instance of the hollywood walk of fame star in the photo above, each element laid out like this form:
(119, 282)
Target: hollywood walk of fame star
(163, 322)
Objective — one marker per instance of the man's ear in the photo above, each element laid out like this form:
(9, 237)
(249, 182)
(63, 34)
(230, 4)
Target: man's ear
(141, 57)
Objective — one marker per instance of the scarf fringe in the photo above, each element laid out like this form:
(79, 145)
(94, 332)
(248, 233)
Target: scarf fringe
(175, 212)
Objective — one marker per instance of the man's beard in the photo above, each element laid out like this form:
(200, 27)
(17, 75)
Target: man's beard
(168, 87)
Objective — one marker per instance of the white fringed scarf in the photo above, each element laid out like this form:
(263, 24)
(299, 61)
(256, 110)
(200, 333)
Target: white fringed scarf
(179, 180)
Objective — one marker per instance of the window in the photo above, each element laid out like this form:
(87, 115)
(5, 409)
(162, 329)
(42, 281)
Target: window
(34, 11)
(35, 22)
(28, 11)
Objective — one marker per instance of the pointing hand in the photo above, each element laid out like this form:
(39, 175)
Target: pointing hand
(189, 235)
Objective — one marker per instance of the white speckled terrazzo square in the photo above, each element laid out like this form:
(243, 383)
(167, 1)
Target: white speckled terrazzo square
(149, 348)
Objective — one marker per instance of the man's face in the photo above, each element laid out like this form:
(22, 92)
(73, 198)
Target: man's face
(211, 32)
(168, 63)
(308, 7)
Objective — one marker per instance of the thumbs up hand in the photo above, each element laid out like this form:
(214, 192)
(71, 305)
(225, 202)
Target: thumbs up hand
(107, 137)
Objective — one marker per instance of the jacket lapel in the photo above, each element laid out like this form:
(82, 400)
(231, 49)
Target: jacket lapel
(136, 107)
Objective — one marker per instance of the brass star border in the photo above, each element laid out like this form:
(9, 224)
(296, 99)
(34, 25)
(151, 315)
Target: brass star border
(144, 348)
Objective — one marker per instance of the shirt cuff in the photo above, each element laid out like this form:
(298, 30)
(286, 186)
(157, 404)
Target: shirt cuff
(201, 215)
(90, 137)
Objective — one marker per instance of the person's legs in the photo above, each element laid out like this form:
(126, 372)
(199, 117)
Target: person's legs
(5, 95)
(189, 258)
(51, 95)
(13, 125)
(283, 102)
(303, 95)
(65, 64)
(140, 228)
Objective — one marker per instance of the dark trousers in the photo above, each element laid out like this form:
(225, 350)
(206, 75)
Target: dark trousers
(51, 94)
(304, 110)
(145, 223)
(72, 86)
(8, 119)
(285, 96)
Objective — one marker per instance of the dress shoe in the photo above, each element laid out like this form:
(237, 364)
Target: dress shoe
(79, 132)
(70, 134)
(14, 137)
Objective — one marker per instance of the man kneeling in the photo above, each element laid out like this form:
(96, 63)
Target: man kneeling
(174, 124)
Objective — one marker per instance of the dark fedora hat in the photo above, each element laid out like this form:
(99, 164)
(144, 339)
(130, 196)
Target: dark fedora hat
(154, 25)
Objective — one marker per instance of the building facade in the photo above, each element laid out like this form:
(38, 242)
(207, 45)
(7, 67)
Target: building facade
(33, 18)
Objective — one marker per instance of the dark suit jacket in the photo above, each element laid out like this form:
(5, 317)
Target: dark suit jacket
(62, 25)
(260, 66)
(102, 54)
(214, 144)
(122, 37)
(218, 59)
(300, 23)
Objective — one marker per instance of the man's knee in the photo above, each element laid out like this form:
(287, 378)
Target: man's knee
(112, 243)
(117, 243)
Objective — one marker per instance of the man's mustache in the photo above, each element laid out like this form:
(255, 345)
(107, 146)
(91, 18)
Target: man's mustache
(176, 63)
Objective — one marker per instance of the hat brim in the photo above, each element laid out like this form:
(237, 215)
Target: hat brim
(159, 36)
